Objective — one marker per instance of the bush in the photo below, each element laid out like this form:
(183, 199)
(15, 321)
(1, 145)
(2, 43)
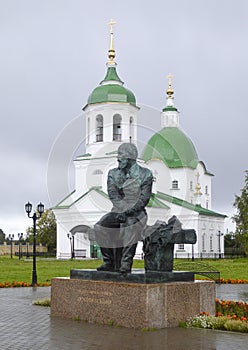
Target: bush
(236, 326)
(223, 323)
(43, 302)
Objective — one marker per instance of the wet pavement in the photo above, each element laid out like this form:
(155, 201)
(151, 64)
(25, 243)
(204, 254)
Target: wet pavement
(24, 326)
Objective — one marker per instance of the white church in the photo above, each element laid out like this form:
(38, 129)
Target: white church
(182, 184)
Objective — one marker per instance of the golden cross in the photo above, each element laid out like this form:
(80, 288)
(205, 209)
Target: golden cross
(111, 24)
(198, 176)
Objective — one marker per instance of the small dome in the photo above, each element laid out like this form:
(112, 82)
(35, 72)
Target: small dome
(173, 147)
(111, 93)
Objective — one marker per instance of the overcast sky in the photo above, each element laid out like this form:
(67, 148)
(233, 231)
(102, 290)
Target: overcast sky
(53, 54)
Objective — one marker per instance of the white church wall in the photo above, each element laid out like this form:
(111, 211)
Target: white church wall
(182, 176)
(81, 168)
(208, 236)
(90, 173)
(162, 182)
(111, 165)
(155, 214)
(63, 228)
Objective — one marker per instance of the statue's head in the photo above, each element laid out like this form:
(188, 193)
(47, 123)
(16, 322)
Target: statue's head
(127, 154)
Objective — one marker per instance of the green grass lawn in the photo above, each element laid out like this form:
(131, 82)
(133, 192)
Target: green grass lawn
(21, 270)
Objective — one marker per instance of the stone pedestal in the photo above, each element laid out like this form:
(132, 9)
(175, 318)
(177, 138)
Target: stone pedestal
(137, 276)
(132, 305)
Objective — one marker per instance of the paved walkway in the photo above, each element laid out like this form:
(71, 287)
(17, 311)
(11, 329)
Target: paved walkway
(24, 326)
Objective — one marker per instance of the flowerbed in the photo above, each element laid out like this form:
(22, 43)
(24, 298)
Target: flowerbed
(230, 315)
(15, 284)
(233, 309)
(233, 281)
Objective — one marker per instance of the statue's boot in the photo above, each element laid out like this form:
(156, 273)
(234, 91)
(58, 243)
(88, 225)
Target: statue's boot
(108, 260)
(117, 258)
(127, 258)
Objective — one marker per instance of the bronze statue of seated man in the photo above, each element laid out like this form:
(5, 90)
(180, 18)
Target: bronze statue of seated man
(129, 189)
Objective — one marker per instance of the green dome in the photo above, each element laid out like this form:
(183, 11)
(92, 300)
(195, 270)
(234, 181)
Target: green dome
(173, 147)
(111, 89)
(111, 93)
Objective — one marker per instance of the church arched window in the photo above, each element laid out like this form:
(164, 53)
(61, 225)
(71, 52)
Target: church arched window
(175, 184)
(99, 128)
(117, 127)
(206, 189)
(203, 242)
(211, 242)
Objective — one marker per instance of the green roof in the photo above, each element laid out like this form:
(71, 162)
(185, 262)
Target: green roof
(154, 202)
(195, 207)
(60, 205)
(172, 147)
(111, 89)
(111, 93)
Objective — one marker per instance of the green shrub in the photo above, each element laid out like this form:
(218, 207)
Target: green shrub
(212, 322)
(236, 326)
(42, 302)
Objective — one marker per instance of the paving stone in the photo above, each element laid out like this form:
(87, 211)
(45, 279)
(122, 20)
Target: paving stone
(24, 326)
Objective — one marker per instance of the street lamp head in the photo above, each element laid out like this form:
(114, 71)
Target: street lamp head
(40, 208)
(220, 233)
(28, 208)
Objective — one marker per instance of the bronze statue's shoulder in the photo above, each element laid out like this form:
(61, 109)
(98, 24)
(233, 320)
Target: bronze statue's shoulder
(145, 171)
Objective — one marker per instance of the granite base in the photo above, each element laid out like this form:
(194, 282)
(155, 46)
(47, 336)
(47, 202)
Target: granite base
(132, 305)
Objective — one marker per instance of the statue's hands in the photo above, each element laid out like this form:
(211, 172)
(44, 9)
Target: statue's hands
(121, 217)
(130, 212)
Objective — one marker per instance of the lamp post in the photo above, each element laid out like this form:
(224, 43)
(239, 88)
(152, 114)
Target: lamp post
(193, 255)
(11, 237)
(219, 234)
(71, 238)
(40, 209)
(20, 236)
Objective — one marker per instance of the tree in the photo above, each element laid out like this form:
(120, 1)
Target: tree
(45, 230)
(232, 244)
(241, 217)
(2, 236)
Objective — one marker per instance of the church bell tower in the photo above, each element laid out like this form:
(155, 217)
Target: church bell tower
(111, 111)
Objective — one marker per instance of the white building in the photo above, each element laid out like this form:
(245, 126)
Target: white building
(182, 184)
